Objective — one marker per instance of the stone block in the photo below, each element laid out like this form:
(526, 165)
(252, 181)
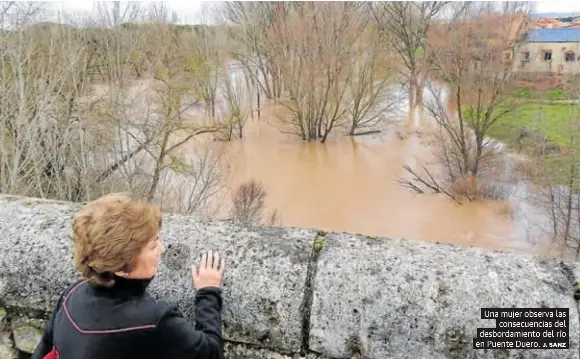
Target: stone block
(263, 284)
(382, 298)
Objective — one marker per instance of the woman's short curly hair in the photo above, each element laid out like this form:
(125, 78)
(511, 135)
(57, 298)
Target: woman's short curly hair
(109, 234)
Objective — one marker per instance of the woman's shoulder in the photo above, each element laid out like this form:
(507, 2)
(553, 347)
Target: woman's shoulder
(164, 310)
(162, 306)
(70, 287)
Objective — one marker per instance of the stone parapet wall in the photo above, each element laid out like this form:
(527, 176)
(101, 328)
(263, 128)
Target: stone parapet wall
(297, 293)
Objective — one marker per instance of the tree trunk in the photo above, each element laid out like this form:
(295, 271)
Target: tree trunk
(121, 162)
(419, 96)
(412, 91)
(158, 167)
(258, 94)
(568, 218)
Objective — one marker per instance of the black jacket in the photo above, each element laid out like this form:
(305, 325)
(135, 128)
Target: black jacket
(91, 322)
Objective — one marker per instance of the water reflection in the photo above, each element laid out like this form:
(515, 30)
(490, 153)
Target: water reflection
(350, 184)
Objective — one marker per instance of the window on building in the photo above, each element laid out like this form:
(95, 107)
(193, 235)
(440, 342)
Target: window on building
(525, 56)
(548, 55)
(569, 56)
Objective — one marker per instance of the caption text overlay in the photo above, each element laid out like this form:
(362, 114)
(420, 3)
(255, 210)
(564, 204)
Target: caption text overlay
(524, 328)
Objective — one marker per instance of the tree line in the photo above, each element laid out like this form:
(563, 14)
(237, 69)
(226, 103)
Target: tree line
(118, 100)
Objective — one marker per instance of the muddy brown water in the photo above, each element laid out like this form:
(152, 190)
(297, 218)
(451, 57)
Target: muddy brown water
(350, 185)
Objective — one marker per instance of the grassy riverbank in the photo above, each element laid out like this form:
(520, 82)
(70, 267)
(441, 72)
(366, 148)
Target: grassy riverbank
(543, 126)
(551, 120)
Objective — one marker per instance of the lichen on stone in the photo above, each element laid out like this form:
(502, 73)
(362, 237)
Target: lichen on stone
(26, 337)
(318, 243)
(576, 290)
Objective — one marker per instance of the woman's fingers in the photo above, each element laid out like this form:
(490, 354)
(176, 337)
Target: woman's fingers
(203, 263)
(216, 260)
(212, 260)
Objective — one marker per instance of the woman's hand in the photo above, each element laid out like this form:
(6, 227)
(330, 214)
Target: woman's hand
(210, 271)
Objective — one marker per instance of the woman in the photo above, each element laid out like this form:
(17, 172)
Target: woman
(109, 314)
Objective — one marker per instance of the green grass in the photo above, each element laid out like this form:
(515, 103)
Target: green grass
(531, 93)
(551, 120)
(526, 93)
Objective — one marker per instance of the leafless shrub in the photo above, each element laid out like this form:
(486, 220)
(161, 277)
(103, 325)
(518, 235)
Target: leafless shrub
(191, 183)
(248, 203)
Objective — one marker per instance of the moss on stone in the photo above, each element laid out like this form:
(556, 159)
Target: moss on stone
(576, 287)
(26, 337)
(318, 243)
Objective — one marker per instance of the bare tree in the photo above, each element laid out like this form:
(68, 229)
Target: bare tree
(234, 110)
(315, 68)
(206, 62)
(65, 136)
(46, 70)
(178, 120)
(248, 23)
(248, 203)
(370, 97)
(119, 51)
(192, 183)
(405, 25)
(474, 58)
(156, 118)
(558, 177)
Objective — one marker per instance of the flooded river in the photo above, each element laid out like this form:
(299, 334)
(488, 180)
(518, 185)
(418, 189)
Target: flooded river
(350, 184)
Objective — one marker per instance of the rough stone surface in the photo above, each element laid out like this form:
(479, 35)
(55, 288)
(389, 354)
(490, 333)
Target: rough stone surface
(407, 299)
(263, 286)
(237, 351)
(7, 350)
(3, 319)
(27, 333)
(290, 293)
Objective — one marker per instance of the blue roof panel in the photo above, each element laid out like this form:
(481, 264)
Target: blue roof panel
(554, 35)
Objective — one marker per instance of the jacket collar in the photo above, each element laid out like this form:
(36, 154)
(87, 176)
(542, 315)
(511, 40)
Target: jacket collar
(125, 286)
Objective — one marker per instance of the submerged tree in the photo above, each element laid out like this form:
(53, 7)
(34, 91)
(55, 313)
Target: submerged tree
(405, 26)
(312, 46)
(473, 57)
